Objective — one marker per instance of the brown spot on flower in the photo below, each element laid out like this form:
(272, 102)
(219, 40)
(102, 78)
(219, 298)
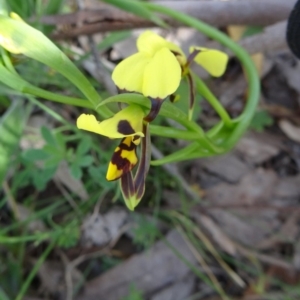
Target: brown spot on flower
(124, 127)
(122, 163)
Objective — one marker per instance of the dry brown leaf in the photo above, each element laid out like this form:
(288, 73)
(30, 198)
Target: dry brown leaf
(243, 220)
(292, 131)
(178, 291)
(288, 187)
(216, 233)
(228, 166)
(101, 229)
(254, 189)
(256, 147)
(150, 271)
(63, 175)
(52, 276)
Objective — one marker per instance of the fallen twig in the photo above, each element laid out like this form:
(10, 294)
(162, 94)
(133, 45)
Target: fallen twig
(218, 13)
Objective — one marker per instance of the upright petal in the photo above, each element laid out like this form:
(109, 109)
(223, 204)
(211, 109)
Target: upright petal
(162, 75)
(123, 160)
(149, 42)
(213, 61)
(128, 74)
(127, 122)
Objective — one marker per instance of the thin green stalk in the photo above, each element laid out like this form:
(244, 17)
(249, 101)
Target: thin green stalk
(28, 238)
(176, 156)
(214, 102)
(34, 271)
(173, 133)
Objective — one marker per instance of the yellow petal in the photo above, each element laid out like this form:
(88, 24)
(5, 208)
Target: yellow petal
(123, 161)
(113, 173)
(177, 52)
(127, 122)
(213, 61)
(128, 74)
(150, 42)
(162, 75)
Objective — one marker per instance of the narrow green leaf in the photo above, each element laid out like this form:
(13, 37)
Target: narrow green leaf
(48, 136)
(53, 161)
(42, 177)
(33, 155)
(85, 161)
(18, 37)
(52, 150)
(84, 146)
(11, 127)
(60, 138)
(76, 171)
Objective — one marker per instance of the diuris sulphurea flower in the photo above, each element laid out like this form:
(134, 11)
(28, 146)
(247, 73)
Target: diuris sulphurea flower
(157, 68)
(155, 71)
(126, 124)
(129, 125)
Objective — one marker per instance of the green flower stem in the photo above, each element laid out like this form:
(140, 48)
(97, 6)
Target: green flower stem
(28, 238)
(215, 130)
(173, 133)
(203, 147)
(214, 102)
(179, 155)
(241, 54)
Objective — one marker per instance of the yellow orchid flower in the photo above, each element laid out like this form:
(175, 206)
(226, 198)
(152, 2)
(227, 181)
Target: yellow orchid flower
(156, 69)
(126, 124)
(153, 71)
(130, 125)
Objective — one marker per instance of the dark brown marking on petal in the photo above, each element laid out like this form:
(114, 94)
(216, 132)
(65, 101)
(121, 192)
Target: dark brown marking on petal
(124, 127)
(122, 163)
(136, 137)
